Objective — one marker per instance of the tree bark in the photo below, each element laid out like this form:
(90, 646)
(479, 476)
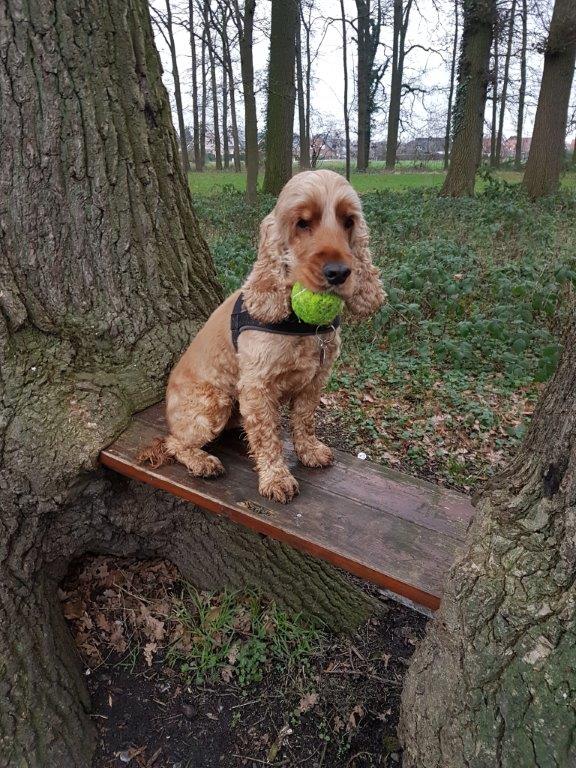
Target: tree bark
(281, 95)
(368, 34)
(204, 107)
(244, 21)
(522, 91)
(505, 79)
(214, 87)
(345, 66)
(492, 682)
(473, 75)
(401, 21)
(227, 64)
(195, 117)
(495, 76)
(451, 88)
(547, 151)
(177, 90)
(105, 277)
(304, 159)
(225, 136)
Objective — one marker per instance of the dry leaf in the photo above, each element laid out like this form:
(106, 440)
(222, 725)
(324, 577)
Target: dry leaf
(307, 702)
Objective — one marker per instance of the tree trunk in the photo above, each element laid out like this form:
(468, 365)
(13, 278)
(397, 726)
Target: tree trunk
(451, 88)
(362, 86)
(195, 118)
(494, 123)
(492, 682)
(245, 24)
(105, 278)
(227, 63)
(225, 136)
(204, 99)
(304, 159)
(345, 66)
(522, 91)
(505, 79)
(401, 21)
(177, 90)
(281, 94)
(212, 60)
(547, 151)
(468, 122)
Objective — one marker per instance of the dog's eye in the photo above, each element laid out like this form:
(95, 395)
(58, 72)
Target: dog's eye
(348, 222)
(303, 224)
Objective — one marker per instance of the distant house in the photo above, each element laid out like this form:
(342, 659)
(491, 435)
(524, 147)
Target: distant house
(422, 148)
(508, 149)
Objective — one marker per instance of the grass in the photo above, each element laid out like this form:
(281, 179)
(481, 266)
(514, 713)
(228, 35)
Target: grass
(441, 382)
(238, 636)
(375, 180)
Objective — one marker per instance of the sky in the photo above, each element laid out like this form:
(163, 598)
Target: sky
(427, 66)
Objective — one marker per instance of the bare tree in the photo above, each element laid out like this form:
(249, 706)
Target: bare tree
(281, 95)
(345, 66)
(452, 84)
(495, 78)
(194, 66)
(244, 21)
(303, 103)
(402, 10)
(368, 26)
(547, 151)
(505, 81)
(473, 76)
(522, 91)
(163, 23)
(214, 87)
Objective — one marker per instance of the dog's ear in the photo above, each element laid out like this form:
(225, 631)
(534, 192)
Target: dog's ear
(368, 295)
(266, 291)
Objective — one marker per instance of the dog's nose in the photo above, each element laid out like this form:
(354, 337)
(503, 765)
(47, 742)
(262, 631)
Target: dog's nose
(336, 273)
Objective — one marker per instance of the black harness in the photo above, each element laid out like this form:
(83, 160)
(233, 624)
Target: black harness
(242, 320)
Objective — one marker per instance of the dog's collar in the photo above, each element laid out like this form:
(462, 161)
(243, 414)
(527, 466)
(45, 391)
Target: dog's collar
(242, 320)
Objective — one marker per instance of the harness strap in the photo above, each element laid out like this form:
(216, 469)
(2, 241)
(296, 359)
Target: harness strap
(242, 320)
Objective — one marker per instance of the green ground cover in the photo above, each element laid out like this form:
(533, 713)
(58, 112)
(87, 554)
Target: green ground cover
(441, 382)
(374, 180)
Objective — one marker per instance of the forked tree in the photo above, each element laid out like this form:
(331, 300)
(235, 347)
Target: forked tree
(547, 150)
(104, 279)
(479, 17)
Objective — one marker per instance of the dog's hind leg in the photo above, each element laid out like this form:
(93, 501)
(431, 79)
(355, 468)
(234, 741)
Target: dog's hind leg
(196, 414)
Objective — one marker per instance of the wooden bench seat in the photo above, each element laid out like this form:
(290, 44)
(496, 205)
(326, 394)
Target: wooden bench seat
(386, 527)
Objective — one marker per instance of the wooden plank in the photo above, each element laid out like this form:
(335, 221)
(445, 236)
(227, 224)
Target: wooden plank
(380, 525)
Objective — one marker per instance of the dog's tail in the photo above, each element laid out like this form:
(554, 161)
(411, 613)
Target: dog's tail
(155, 454)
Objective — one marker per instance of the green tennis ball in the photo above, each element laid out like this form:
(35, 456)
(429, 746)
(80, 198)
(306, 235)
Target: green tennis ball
(315, 308)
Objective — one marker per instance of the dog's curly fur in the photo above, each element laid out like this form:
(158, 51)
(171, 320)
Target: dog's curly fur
(317, 220)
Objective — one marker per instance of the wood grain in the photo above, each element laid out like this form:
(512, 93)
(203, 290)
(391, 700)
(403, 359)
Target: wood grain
(394, 530)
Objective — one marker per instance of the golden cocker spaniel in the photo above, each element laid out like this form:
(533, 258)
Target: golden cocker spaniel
(315, 235)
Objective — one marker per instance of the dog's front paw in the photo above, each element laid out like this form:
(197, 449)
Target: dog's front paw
(278, 485)
(315, 454)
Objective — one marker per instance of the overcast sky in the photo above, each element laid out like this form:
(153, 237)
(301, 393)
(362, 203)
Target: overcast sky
(423, 113)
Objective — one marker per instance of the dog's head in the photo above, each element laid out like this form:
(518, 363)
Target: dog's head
(315, 235)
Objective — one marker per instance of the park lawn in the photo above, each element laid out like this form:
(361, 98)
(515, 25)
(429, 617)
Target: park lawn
(376, 179)
(443, 380)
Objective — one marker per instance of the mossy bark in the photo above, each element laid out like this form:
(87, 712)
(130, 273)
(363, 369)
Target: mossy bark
(492, 684)
(104, 278)
(468, 116)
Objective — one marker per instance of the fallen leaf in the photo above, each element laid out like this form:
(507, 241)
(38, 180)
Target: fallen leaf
(307, 702)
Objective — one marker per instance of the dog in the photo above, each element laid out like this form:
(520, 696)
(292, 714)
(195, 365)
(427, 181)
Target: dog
(316, 235)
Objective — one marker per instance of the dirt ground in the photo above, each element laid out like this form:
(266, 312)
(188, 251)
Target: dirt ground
(337, 708)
